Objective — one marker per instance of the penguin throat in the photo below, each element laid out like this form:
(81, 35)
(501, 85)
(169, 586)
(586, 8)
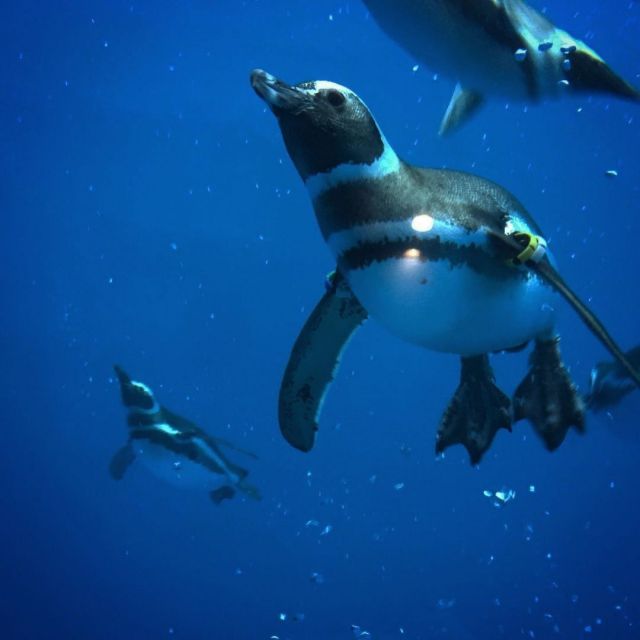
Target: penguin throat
(386, 163)
(155, 408)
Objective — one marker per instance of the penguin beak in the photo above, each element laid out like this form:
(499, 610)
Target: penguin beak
(280, 96)
(123, 377)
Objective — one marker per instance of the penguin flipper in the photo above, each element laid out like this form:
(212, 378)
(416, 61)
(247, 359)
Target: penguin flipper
(508, 248)
(121, 461)
(464, 103)
(314, 360)
(589, 73)
(221, 442)
(546, 271)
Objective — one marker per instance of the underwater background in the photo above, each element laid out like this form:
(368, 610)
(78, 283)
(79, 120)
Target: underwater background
(151, 217)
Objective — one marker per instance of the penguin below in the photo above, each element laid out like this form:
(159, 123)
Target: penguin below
(443, 259)
(501, 48)
(609, 382)
(174, 448)
(609, 394)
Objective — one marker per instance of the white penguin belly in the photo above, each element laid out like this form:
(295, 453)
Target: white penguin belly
(449, 44)
(462, 49)
(177, 470)
(453, 309)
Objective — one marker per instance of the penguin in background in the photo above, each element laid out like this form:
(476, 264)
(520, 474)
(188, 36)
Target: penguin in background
(443, 259)
(501, 48)
(175, 449)
(611, 398)
(610, 383)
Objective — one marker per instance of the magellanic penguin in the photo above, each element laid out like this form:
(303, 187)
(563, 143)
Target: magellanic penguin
(610, 383)
(443, 259)
(501, 48)
(176, 449)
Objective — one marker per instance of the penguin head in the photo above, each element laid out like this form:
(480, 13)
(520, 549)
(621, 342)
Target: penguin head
(136, 396)
(324, 125)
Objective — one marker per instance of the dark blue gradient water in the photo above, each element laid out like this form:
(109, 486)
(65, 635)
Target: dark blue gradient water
(151, 217)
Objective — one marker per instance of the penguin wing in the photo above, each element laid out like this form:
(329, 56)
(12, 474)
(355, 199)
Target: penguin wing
(509, 24)
(588, 71)
(121, 461)
(506, 243)
(464, 103)
(314, 361)
(221, 442)
(218, 459)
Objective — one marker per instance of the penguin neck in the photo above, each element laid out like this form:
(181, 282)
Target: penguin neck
(153, 412)
(385, 164)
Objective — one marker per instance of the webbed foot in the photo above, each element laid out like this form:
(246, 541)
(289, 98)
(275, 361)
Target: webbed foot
(547, 396)
(476, 411)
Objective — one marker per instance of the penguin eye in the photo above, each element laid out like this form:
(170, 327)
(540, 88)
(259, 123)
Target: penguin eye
(335, 98)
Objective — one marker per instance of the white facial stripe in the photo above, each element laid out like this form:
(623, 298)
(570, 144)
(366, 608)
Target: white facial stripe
(217, 459)
(325, 85)
(386, 163)
(398, 230)
(147, 412)
(143, 386)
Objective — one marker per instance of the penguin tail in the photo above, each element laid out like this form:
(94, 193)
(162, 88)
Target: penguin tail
(463, 105)
(592, 74)
(223, 493)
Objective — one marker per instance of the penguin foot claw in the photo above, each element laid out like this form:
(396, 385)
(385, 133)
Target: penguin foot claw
(476, 411)
(547, 396)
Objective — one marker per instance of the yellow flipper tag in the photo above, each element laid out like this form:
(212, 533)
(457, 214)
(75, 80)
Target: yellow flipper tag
(534, 248)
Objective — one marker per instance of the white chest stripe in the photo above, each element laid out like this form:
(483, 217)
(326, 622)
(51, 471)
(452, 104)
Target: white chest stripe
(388, 162)
(166, 428)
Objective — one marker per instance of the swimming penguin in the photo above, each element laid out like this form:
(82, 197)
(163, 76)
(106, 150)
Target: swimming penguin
(608, 396)
(174, 448)
(610, 383)
(443, 259)
(502, 48)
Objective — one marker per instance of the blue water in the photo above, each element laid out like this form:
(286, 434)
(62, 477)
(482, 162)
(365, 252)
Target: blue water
(151, 217)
